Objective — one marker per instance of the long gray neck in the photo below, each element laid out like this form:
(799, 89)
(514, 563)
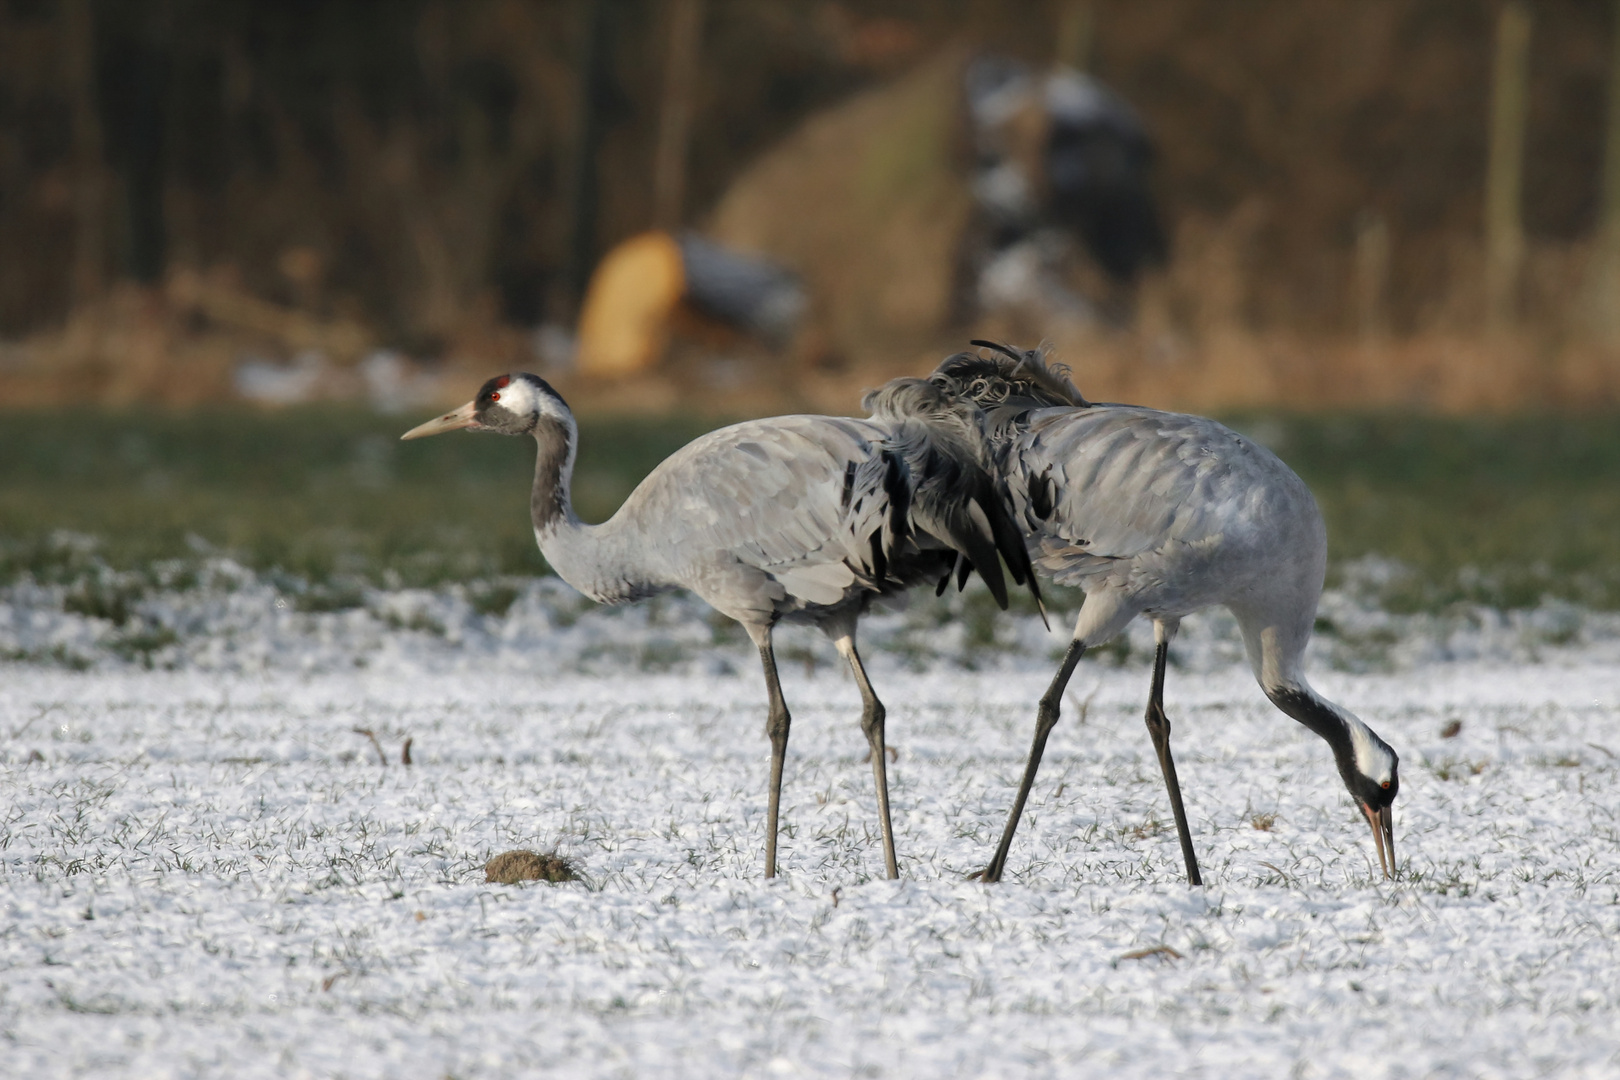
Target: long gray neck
(550, 506)
(601, 561)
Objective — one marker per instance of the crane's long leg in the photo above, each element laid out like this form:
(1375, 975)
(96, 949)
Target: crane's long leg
(776, 726)
(872, 716)
(1158, 725)
(1046, 718)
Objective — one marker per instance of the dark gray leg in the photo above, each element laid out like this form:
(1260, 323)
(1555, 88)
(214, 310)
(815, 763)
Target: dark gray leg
(776, 726)
(1158, 725)
(1046, 718)
(872, 716)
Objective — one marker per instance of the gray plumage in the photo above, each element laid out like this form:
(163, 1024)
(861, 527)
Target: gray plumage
(795, 518)
(1161, 514)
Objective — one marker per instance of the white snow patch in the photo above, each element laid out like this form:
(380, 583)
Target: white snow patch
(217, 615)
(206, 871)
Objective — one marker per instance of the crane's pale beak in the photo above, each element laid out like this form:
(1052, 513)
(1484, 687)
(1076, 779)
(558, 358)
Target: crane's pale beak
(463, 417)
(1383, 827)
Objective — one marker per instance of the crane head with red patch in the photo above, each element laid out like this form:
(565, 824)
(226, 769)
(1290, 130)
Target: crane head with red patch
(508, 404)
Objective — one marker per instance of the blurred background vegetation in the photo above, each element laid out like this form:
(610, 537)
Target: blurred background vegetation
(1404, 202)
(1393, 254)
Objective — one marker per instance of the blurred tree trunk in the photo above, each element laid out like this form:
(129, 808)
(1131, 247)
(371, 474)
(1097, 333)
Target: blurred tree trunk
(133, 84)
(143, 176)
(1603, 299)
(582, 194)
(675, 123)
(432, 191)
(1372, 277)
(1504, 181)
(89, 172)
(1076, 33)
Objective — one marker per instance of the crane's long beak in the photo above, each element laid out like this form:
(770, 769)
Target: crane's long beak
(1383, 827)
(451, 421)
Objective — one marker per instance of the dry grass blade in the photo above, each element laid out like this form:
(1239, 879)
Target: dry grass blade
(1082, 708)
(1156, 950)
(382, 758)
(19, 732)
(1280, 872)
(1451, 730)
(405, 751)
(1145, 831)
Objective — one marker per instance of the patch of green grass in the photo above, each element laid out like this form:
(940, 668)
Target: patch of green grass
(1496, 510)
(141, 644)
(330, 496)
(493, 598)
(1503, 511)
(100, 599)
(331, 596)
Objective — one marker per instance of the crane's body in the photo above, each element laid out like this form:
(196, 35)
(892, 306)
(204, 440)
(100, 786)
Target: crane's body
(794, 518)
(1161, 514)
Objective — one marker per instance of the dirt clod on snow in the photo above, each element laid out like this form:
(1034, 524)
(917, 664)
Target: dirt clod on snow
(511, 867)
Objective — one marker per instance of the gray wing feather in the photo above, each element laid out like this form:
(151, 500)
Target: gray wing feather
(807, 500)
(1108, 483)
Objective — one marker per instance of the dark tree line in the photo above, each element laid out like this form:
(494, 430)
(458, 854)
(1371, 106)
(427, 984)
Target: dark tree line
(416, 163)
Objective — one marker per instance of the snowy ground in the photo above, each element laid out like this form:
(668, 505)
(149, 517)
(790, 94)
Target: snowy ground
(205, 871)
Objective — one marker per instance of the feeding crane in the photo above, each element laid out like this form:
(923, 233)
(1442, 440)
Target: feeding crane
(789, 519)
(1159, 514)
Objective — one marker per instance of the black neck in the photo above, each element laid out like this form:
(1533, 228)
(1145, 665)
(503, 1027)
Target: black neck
(548, 501)
(1319, 716)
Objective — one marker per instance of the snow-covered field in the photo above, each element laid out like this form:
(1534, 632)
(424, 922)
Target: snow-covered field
(206, 871)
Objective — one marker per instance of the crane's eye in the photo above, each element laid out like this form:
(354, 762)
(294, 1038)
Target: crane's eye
(1385, 785)
(496, 396)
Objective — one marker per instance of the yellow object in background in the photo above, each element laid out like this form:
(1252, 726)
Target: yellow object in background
(625, 321)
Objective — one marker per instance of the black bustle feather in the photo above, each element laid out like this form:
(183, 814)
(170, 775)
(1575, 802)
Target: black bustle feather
(880, 561)
(1009, 543)
(1042, 495)
(940, 448)
(1005, 350)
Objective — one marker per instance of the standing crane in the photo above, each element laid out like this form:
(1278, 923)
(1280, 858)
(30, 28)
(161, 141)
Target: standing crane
(791, 519)
(1160, 514)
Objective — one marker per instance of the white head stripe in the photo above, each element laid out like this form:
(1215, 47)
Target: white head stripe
(1372, 760)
